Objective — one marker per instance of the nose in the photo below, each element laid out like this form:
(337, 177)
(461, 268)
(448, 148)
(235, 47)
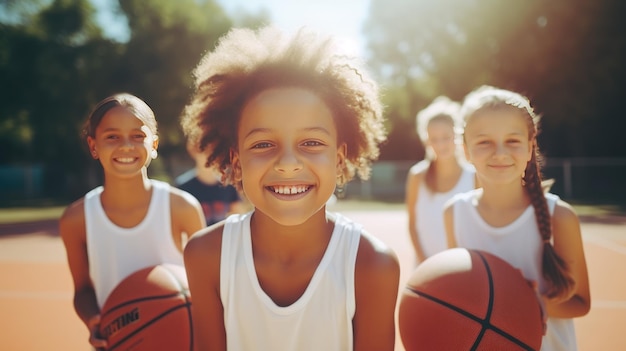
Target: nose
(127, 144)
(288, 162)
(500, 150)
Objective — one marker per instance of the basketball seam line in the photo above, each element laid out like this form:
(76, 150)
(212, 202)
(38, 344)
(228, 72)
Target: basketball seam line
(150, 323)
(157, 297)
(472, 317)
(486, 322)
(189, 315)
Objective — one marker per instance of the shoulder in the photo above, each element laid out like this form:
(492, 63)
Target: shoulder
(467, 196)
(374, 256)
(564, 214)
(420, 168)
(205, 246)
(415, 176)
(72, 220)
(182, 198)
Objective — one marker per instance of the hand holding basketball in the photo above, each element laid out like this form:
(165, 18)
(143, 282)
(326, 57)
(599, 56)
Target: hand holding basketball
(149, 310)
(94, 333)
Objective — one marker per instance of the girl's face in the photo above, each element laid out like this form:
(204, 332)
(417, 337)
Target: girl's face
(441, 138)
(496, 142)
(122, 143)
(288, 157)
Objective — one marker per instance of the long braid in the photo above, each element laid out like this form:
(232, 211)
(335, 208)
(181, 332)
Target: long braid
(554, 267)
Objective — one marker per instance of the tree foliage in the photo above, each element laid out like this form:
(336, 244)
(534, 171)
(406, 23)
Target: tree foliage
(55, 64)
(564, 55)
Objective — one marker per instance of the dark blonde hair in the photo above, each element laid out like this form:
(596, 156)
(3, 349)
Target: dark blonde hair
(440, 109)
(135, 105)
(246, 62)
(486, 97)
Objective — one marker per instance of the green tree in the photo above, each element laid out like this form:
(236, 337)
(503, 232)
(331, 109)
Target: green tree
(548, 50)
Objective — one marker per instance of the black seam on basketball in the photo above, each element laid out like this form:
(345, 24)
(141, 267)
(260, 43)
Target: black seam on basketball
(446, 304)
(141, 299)
(185, 291)
(485, 323)
(152, 321)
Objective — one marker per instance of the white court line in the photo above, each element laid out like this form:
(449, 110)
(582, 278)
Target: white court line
(605, 243)
(614, 304)
(60, 295)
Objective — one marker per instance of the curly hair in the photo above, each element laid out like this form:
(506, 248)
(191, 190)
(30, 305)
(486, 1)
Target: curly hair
(555, 269)
(246, 62)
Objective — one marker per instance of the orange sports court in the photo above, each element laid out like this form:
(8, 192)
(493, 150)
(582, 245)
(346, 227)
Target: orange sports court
(36, 287)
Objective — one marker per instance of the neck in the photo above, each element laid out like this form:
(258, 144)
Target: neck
(127, 191)
(504, 196)
(448, 165)
(272, 238)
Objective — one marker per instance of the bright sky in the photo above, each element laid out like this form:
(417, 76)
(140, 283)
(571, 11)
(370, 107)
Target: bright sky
(343, 18)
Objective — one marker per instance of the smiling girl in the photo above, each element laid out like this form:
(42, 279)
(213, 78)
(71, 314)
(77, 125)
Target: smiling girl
(511, 215)
(289, 119)
(131, 221)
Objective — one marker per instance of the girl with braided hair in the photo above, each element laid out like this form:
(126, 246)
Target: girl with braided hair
(511, 215)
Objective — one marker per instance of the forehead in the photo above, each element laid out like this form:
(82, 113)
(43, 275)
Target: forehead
(440, 125)
(502, 120)
(120, 117)
(286, 109)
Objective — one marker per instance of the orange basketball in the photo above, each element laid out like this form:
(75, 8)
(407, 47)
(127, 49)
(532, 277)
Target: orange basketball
(463, 299)
(149, 310)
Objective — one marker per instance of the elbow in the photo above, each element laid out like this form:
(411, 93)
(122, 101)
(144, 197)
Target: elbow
(586, 306)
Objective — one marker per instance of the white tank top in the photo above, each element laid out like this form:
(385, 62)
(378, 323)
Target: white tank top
(429, 212)
(115, 252)
(520, 244)
(321, 319)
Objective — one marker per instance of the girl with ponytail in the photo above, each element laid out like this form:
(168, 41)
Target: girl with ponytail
(512, 216)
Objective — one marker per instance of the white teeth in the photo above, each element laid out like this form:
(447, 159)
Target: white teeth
(290, 189)
(125, 159)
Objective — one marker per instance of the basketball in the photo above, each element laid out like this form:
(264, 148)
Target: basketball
(462, 299)
(149, 310)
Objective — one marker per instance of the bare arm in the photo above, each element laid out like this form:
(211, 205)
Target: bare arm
(448, 222)
(568, 244)
(202, 261)
(187, 216)
(376, 288)
(411, 194)
(73, 233)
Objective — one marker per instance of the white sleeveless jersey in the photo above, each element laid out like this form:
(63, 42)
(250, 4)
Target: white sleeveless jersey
(321, 319)
(520, 244)
(429, 212)
(115, 252)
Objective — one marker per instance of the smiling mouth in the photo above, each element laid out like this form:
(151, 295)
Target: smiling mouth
(290, 190)
(125, 159)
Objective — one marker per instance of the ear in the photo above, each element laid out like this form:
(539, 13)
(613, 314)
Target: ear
(342, 153)
(531, 149)
(235, 165)
(155, 142)
(91, 142)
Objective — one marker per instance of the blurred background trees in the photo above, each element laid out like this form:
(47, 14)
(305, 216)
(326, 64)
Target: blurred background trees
(55, 64)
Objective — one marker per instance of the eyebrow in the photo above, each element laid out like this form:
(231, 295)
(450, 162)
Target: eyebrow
(115, 129)
(268, 130)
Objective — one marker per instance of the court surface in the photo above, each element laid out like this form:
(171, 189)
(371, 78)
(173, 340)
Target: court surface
(36, 311)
